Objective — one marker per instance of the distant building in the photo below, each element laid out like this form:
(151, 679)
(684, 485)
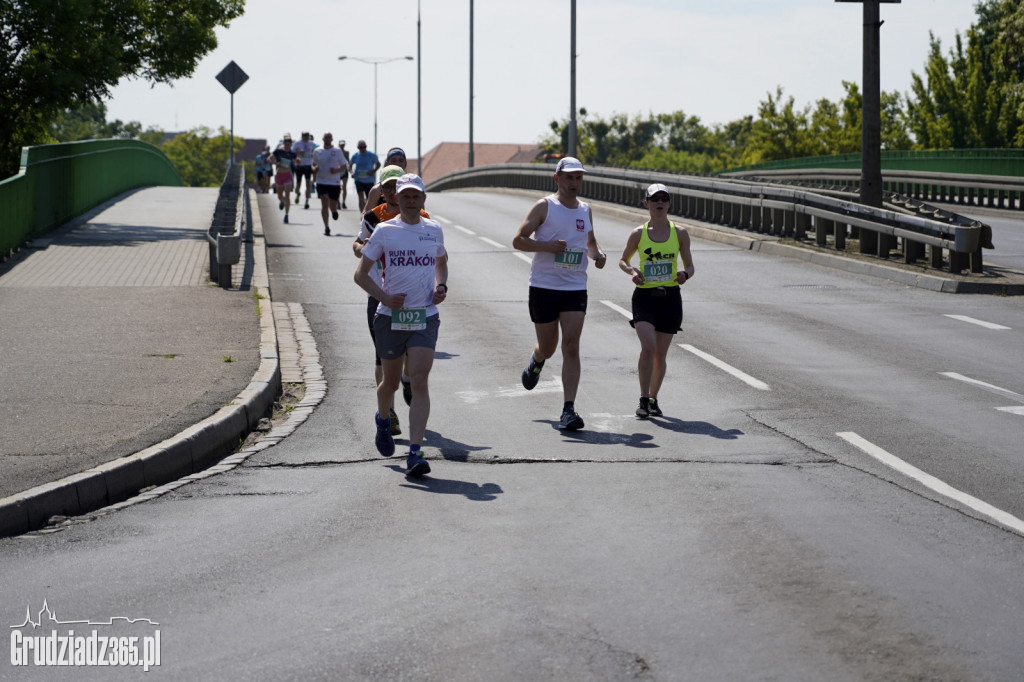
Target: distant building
(452, 156)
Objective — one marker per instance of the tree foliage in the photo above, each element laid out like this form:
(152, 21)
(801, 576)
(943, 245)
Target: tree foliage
(200, 156)
(969, 97)
(59, 54)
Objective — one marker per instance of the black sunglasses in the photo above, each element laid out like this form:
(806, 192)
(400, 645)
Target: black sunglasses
(659, 197)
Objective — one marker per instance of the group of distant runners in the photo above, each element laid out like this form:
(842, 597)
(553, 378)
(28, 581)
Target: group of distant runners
(325, 170)
(403, 267)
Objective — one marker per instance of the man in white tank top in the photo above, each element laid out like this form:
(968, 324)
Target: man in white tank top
(559, 231)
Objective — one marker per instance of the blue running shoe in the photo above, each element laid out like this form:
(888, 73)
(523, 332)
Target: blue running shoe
(286, 218)
(384, 442)
(416, 466)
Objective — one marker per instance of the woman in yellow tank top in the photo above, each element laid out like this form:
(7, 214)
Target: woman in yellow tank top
(657, 304)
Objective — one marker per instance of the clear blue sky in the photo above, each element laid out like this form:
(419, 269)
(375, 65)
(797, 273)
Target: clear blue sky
(712, 59)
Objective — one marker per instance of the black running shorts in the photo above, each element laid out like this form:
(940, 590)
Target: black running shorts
(547, 304)
(331, 191)
(660, 306)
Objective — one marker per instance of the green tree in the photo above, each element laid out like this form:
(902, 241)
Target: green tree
(58, 54)
(779, 132)
(200, 156)
(89, 122)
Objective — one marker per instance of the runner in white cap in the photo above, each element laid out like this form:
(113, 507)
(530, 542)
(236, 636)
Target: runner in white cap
(414, 282)
(657, 304)
(559, 231)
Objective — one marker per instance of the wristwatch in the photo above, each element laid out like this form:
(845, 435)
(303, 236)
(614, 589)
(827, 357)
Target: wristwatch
(442, 284)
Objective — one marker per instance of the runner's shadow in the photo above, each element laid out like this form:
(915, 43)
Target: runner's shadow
(695, 428)
(441, 355)
(478, 492)
(450, 449)
(632, 440)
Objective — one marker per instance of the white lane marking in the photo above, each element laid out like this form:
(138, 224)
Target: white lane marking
(524, 257)
(742, 376)
(437, 217)
(553, 385)
(1016, 409)
(980, 323)
(935, 484)
(619, 309)
(464, 229)
(981, 384)
(497, 245)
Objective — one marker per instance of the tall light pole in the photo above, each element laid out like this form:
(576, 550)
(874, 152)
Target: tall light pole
(871, 124)
(470, 83)
(572, 80)
(419, 98)
(375, 61)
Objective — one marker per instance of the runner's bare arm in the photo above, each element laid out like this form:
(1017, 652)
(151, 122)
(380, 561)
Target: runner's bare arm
(524, 241)
(632, 242)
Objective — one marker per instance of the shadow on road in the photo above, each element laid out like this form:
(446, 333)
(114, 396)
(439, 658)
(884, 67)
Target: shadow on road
(478, 492)
(696, 428)
(451, 449)
(632, 440)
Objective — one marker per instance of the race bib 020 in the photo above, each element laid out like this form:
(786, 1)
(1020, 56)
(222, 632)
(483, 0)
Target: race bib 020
(657, 270)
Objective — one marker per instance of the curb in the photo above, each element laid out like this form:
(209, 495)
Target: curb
(193, 450)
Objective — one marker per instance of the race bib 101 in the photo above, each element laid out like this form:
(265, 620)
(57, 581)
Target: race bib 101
(571, 259)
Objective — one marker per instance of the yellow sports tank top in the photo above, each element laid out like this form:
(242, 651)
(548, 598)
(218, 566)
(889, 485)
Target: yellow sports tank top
(658, 260)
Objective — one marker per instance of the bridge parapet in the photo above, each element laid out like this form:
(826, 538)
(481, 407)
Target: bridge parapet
(954, 242)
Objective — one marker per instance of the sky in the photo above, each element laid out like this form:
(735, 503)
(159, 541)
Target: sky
(713, 59)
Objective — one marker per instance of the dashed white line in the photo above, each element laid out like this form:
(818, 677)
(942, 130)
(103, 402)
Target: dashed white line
(523, 257)
(464, 229)
(443, 220)
(497, 245)
(984, 508)
(981, 384)
(742, 376)
(619, 309)
(980, 323)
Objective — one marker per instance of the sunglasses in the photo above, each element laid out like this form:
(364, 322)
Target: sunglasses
(659, 197)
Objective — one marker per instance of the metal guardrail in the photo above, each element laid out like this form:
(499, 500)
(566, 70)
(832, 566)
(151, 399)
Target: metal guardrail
(954, 242)
(990, 191)
(227, 227)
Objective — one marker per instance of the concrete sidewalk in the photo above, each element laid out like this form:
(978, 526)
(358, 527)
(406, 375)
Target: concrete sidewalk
(123, 366)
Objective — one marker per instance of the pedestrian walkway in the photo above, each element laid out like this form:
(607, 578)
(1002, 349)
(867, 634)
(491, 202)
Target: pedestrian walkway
(115, 340)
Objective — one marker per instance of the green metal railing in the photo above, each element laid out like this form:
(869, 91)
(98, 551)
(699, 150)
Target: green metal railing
(959, 161)
(60, 181)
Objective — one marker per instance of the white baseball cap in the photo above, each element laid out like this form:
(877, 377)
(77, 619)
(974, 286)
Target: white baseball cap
(655, 188)
(410, 181)
(569, 164)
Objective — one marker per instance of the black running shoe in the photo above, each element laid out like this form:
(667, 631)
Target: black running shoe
(327, 232)
(407, 390)
(416, 466)
(570, 421)
(396, 428)
(334, 214)
(653, 408)
(531, 375)
(643, 410)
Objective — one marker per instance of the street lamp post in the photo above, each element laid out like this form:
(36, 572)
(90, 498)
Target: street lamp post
(375, 61)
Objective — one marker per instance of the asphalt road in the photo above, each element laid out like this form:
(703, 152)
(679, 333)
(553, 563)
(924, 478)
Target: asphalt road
(758, 532)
